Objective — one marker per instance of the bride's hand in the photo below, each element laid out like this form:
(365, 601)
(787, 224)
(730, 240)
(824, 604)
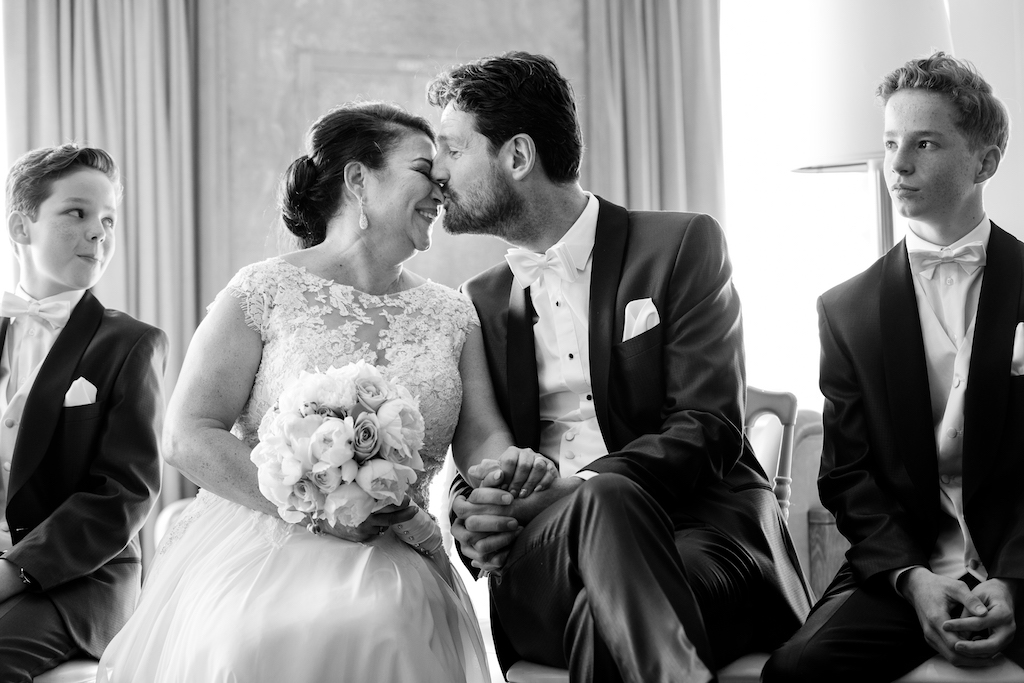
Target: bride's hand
(374, 525)
(520, 471)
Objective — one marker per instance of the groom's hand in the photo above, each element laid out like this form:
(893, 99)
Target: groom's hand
(484, 527)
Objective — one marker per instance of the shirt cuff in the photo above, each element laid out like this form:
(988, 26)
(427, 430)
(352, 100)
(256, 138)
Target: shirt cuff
(895, 574)
(586, 475)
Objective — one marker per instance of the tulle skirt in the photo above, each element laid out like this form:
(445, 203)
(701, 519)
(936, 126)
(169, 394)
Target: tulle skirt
(238, 596)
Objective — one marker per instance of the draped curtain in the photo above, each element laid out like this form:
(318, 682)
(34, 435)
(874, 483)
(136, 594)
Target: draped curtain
(119, 74)
(654, 104)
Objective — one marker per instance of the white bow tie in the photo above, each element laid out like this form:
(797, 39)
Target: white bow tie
(970, 256)
(54, 312)
(528, 266)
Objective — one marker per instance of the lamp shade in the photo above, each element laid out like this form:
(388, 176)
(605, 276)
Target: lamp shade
(850, 46)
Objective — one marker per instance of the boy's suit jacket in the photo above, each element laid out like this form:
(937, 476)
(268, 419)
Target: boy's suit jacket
(83, 479)
(879, 467)
(669, 401)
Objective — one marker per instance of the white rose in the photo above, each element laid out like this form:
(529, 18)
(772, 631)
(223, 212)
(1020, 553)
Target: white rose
(326, 476)
(386, 481)
(401, 430)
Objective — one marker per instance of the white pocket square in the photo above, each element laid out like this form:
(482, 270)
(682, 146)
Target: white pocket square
(1017, 361)
(641, 315)
(81, 393)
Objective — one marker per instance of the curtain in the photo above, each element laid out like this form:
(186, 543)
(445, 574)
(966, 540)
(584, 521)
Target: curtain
(119, 74)
(654, 104)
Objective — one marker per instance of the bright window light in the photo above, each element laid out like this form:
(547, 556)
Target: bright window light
(791, 235)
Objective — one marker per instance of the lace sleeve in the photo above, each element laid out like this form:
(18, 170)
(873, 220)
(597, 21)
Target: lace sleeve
(465, 318)
(253, 286)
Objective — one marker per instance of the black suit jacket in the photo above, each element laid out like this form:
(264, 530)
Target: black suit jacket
(879, 467)
(84, 479)
(669, 401)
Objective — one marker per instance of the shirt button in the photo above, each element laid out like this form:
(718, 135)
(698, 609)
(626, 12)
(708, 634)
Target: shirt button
(9, 423)
(571, 356)
(956, 382)
(7, 466)
(569, 436)
(590, 397)
(570, 455)
(31, 333)
(949, 280)
(951, 433)
(944, 478)
(4, 526)
(558, 303)
(974, 564)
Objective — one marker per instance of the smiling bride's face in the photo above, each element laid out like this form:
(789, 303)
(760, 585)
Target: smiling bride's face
(404, 200)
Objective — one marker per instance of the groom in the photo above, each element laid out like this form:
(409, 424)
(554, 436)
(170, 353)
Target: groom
(615, 347)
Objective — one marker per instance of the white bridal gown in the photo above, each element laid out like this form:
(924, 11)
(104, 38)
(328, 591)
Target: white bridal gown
(239, 596)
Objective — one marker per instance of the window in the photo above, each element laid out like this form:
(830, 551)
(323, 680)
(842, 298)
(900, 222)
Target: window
(791, 235)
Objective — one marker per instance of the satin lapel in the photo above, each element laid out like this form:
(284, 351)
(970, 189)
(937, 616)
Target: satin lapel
(523, 384)
(906, 374)
(609, 254)
(988, 383)
(44, 402)
(4, 324)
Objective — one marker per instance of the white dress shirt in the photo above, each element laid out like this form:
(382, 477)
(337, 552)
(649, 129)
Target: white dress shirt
(947, 304)
(570, 434)
(29, 340)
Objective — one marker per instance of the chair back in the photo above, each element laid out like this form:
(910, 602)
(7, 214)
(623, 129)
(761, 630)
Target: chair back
(774, 450)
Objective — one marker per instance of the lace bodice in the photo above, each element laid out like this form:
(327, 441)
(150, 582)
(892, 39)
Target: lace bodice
(306, 322)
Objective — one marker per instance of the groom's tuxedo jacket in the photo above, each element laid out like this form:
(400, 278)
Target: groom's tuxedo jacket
(879, 468)
(669, 401)
(83, 479)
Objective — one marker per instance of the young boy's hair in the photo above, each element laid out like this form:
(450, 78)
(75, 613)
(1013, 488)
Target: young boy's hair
(981, 117)
(31, 178)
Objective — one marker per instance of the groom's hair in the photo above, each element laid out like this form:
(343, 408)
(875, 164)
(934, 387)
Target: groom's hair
(518, 92)
(980, 116)
(30, 180)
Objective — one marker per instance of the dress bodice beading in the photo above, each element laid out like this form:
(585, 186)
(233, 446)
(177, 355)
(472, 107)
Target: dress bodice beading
(306, 322)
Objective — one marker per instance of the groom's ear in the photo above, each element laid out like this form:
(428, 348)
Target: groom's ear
(519, 155)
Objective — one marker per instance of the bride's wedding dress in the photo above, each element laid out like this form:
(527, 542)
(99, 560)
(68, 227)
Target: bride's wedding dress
(239, 596)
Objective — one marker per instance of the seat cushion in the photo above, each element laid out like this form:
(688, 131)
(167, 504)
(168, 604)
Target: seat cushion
(938, 670)
(72, 671)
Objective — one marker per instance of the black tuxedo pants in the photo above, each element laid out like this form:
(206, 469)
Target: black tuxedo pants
(865, 634)
(602, 583)
(33, 638)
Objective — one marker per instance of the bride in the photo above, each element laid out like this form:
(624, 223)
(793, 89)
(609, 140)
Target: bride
(238, 594)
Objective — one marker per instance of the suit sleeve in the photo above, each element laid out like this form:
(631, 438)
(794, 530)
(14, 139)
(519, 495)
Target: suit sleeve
(881, 531)
(701, 421)
(94, 524)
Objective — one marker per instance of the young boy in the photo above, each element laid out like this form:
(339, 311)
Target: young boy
(80, 411)
(921, 357)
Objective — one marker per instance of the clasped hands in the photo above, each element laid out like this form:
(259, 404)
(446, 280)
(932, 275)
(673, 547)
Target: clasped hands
(488, 520)
(967, 627)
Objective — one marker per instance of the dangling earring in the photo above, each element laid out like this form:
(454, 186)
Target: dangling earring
(363, 222)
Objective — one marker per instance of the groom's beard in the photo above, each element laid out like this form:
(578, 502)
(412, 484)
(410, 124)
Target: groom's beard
(498, 211)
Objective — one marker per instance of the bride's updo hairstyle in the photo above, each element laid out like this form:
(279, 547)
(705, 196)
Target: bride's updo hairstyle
(311, 190)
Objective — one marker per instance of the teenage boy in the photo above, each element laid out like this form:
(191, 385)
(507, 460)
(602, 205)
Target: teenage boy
(921, 363)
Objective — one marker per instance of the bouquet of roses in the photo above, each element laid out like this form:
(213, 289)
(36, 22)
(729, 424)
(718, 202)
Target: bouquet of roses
(339, 445)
